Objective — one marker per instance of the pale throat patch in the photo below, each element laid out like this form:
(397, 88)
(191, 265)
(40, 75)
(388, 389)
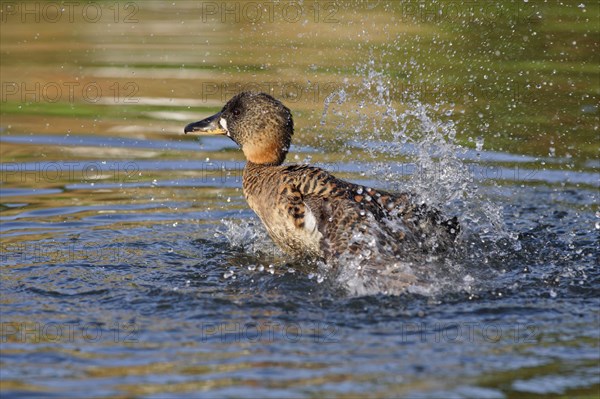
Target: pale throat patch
(223, 124)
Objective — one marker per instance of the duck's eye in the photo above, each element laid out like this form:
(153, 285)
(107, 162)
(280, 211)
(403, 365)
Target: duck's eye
(236, 112)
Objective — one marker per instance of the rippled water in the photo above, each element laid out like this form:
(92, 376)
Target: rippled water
(132, 266)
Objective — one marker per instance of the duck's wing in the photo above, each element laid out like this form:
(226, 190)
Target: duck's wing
(342, 211)
(301, 183)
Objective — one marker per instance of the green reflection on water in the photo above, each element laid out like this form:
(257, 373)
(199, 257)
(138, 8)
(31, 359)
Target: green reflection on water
(523, 75)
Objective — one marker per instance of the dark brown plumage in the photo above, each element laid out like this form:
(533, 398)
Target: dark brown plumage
(308, 211)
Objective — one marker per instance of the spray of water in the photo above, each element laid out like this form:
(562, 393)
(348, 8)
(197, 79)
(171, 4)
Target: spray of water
(397, 125)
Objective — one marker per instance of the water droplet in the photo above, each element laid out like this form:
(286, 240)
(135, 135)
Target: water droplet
(479, 143)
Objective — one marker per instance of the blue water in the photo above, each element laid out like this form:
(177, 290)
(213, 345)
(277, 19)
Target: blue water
(166, 285)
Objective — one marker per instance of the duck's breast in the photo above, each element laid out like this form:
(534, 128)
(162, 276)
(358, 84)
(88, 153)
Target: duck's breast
(291, 222)
(295, 238)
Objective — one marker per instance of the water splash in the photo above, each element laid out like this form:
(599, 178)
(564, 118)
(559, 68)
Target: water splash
(341, 98)
(249, 235)
(395, 124)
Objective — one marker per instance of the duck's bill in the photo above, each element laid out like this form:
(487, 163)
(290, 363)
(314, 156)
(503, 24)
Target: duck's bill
(210, 125)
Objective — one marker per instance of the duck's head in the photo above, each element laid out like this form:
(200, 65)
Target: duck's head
(257, 122)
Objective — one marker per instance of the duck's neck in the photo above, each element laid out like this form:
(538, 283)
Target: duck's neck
(253, 168)
(259, 180)
(262, 165)
(266, 152)
(254, 171)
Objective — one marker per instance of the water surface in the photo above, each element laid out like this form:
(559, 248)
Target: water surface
(132, 266)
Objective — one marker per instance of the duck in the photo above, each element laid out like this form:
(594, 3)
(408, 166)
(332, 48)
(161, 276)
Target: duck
(307, 211)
